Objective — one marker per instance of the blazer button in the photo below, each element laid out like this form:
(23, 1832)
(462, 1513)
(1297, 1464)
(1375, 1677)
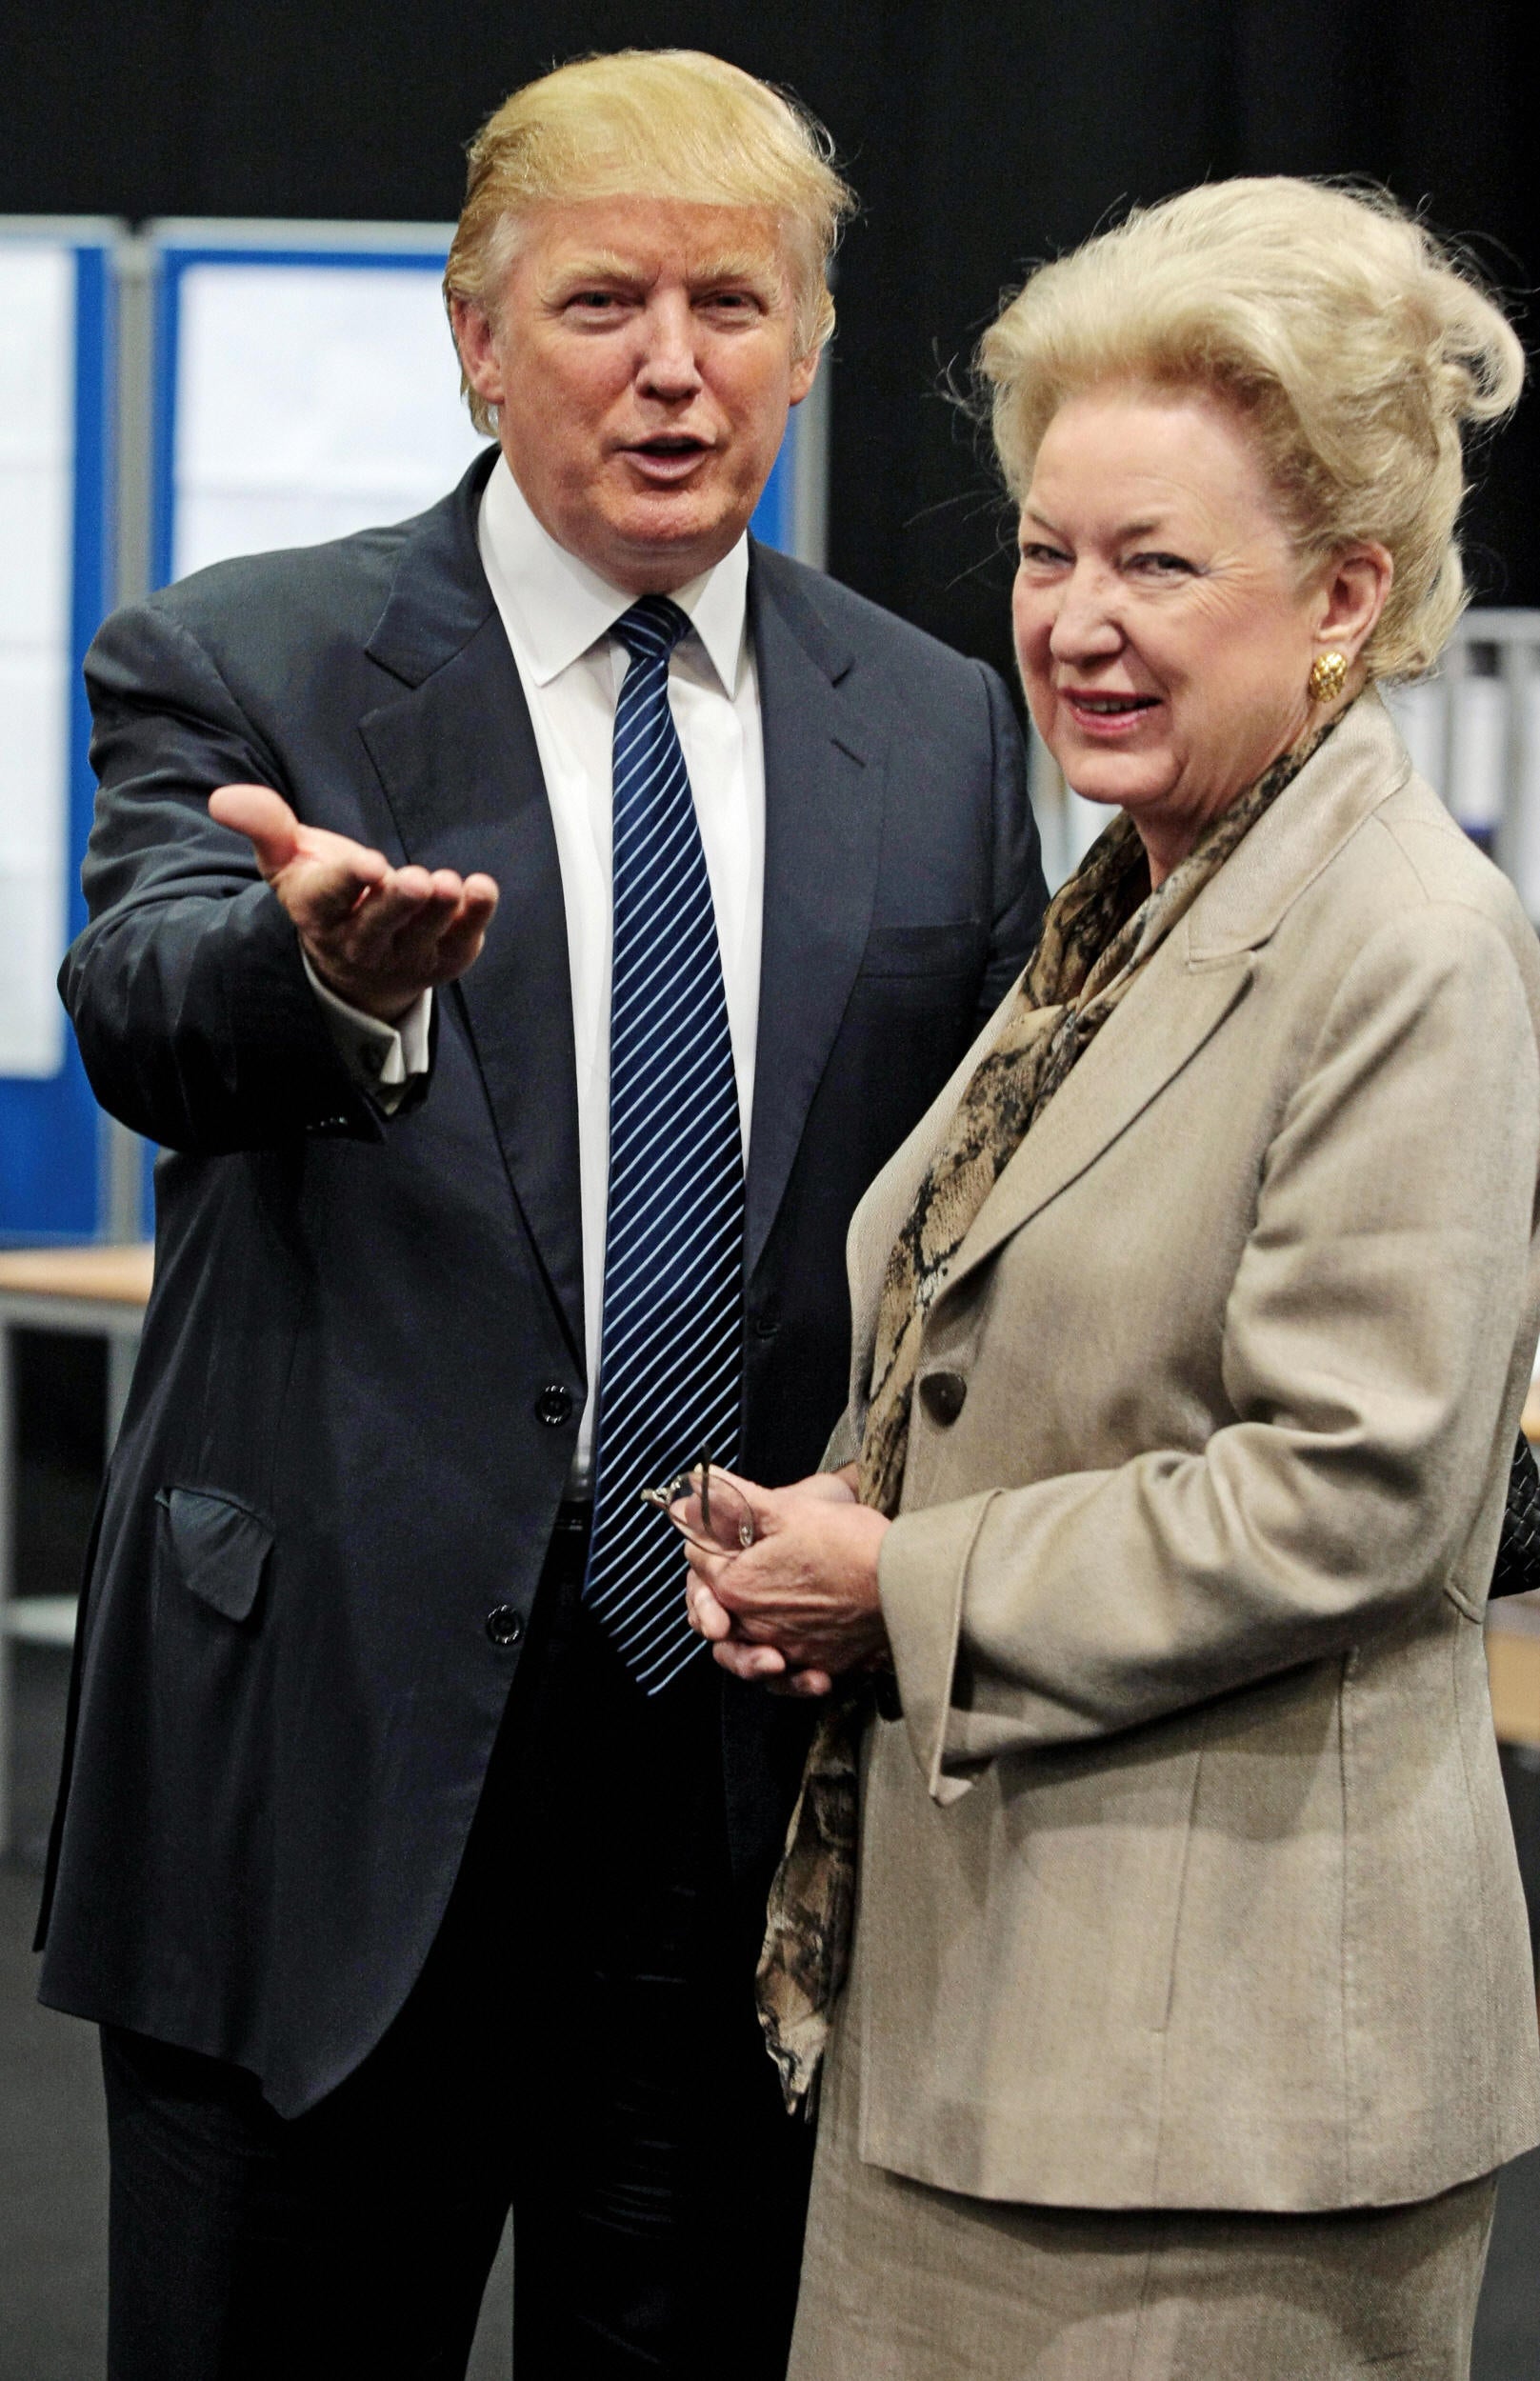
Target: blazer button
(944, 1395)
(504, 1625)
(554, 1405)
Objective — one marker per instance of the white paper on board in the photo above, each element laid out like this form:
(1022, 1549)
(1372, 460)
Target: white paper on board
(311, 400)
(1524, 854)
(37, 334)
(1478, 793)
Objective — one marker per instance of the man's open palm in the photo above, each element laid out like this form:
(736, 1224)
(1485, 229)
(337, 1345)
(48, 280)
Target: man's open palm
(376, 935)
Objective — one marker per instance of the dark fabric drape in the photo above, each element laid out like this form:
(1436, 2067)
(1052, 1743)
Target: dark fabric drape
(979, 138)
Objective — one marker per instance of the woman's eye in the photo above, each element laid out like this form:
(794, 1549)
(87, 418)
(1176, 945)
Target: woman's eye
(1040, 557)
(1162, 566)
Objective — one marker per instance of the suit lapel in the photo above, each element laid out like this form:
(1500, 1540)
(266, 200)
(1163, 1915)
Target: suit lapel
(456, 758)
(1161, 1026)
(825, 769)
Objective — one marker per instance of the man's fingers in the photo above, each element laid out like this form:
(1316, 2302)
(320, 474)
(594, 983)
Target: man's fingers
(317, 875)
(330, 898)
(263, 816)
(427, 928)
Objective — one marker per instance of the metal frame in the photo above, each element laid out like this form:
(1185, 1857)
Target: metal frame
(60, 1108)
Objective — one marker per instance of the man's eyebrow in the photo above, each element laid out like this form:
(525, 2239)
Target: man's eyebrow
(729, 265)
(595, 264)
(737, 265)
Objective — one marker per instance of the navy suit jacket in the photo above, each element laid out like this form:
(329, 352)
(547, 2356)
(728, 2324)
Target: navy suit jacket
(341, 1450)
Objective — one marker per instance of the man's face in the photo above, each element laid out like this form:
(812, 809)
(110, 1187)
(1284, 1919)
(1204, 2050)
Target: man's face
(642, 363)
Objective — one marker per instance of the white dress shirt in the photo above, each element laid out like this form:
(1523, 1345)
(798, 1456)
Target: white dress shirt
(558, 615)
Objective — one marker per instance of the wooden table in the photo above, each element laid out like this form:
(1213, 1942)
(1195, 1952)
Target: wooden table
(101, 1291)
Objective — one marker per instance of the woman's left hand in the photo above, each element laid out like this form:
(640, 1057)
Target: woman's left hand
(800, 1606)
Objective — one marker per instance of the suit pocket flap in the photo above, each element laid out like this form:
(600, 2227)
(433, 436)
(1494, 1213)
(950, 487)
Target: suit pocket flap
(221, 1549)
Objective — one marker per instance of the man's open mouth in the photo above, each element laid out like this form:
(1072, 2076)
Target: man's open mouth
(668, 446)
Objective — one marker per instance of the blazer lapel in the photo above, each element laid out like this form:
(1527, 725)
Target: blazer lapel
(825, 769)
(456, 757)
(1144, 1044)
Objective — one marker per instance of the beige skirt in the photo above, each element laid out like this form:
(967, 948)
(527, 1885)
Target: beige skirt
(901, 2282)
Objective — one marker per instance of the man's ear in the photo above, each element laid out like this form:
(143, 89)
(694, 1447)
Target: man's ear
(478, 352)
(1352, 597)
(804, 372)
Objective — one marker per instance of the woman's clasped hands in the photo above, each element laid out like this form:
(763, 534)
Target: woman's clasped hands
(799, 1606)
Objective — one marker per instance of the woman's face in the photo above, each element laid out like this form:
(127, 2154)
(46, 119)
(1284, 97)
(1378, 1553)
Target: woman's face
(1164, 631)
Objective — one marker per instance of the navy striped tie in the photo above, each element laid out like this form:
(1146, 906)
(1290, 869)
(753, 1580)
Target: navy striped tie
(669, 1346)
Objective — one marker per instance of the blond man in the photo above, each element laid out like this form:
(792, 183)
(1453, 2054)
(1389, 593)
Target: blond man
(526, 929)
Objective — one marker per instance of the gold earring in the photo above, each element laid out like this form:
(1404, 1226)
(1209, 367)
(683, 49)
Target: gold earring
(1328, 676)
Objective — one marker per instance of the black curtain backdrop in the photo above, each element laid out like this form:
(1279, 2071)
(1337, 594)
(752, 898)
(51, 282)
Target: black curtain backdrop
(980, 139)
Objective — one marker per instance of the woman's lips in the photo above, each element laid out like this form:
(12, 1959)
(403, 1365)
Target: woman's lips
(1107, 717)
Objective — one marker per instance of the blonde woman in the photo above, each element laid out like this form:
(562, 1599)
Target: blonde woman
(1190, 2011)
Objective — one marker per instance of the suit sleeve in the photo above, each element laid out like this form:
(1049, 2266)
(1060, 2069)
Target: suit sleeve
(187, 990)
(1020, 893)
(1368, 1353)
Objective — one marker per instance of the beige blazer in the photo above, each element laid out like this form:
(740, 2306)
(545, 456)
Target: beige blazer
(1187, 1879)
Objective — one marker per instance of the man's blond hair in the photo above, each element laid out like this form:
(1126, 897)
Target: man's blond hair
(660, 124)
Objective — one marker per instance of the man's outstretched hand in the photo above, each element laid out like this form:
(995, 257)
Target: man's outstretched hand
(376, 935)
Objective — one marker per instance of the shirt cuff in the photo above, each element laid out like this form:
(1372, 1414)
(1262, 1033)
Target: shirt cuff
(381, 1058)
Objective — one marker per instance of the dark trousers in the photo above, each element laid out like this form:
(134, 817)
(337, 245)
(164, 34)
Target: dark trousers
(581, 2047)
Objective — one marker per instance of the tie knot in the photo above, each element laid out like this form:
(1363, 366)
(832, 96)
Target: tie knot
(652, 628)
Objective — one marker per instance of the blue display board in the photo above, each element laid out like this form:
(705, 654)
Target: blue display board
(50, 1138)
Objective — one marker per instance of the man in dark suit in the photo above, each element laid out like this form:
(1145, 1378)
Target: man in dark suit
(412, 1865)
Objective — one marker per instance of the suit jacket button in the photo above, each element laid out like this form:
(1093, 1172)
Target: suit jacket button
(944, 1395)
(554, 1405)
(504, 1625)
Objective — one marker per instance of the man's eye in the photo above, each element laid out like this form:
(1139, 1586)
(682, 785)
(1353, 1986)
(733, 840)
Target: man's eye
(594, 301)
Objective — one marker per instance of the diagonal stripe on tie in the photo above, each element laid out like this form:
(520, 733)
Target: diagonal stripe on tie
(672, 1329)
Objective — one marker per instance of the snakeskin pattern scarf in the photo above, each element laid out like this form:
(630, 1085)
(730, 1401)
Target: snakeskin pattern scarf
(1101, 931)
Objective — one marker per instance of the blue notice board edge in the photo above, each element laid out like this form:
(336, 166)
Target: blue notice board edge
(49, 1128)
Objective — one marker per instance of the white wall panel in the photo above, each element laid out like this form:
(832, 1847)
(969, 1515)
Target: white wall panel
(311, 400)
(37, 375)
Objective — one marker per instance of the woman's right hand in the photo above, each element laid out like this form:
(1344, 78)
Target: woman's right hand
(800, 1606)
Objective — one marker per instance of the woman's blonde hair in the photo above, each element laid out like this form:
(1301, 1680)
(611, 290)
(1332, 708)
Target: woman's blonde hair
(1355, 345)
(660, 123)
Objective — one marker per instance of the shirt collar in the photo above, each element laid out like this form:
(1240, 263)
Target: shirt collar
(561, 606)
